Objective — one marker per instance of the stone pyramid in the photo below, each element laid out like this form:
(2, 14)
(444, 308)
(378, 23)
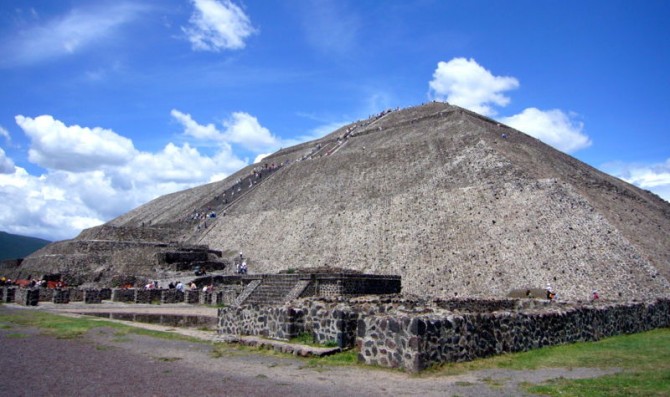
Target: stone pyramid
(454, 202)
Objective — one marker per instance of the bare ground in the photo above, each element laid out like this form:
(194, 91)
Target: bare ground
(102, 362)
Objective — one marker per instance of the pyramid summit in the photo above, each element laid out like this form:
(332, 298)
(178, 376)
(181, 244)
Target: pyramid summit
(452, 201)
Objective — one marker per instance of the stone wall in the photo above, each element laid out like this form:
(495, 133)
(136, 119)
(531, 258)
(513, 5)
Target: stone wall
(192, 297)
(46, 294)
(271, 322)
(326, 320)
(331, 323)
(8, 294)
(413, 335)
(172, 296)
(61, 296)
(123, 295)
(147, 295)
(27, 296)
(76, 295)
(416, 342)
(92, 296)
(106, 294)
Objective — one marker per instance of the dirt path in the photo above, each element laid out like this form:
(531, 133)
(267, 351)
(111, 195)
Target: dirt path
(101, 362)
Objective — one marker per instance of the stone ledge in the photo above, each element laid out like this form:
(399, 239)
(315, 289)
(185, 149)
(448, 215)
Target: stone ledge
(280, 346)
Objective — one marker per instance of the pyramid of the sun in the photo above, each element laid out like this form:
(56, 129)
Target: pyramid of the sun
(455, 203)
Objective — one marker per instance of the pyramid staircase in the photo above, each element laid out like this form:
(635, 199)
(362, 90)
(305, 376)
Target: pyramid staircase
(272, 291)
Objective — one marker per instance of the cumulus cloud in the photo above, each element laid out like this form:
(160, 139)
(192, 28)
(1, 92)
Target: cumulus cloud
(93, 175)
(244, 129)
(553, 127)
(6, 164)
(465, 83)
(654, 177)
(73, 148)
(68, 34)
(198, 131)
(218, 25)
(260, 157)
(46, 206)
(240, 128)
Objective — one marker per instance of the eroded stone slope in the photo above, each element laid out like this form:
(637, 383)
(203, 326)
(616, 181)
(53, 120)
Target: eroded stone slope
(435, 194)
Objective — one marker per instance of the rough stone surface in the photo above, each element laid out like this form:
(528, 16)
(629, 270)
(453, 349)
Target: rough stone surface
(412, 335)
(432, 193)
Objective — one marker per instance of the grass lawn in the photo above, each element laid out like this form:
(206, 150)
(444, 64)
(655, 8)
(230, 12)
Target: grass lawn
(644, 360)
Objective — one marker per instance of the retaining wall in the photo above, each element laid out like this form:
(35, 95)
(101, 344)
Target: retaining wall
(417, 342)
(8, 294)
(27, 296)
(172, 296)
(92, 296)
(61, 296)
(415, 335)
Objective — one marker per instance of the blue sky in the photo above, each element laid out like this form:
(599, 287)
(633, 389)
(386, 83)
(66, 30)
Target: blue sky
(106, 105)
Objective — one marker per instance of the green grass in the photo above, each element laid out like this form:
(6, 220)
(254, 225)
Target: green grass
(644, 360)
(347, 357)
(16, 335)
(65, 327)
(306, 338)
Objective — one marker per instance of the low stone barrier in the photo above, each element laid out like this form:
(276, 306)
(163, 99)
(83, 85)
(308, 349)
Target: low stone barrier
(8, 294)
(27, 296)
(416, 342)
(327, 322)
(281, 323)
(46, 294)
(76, 295)
(92, 296)
(226, 295)
(206, 298)
(397, 333)
(148, 295)
(61, 296)
(192, 296)
(123, 295)
(172, 296)
(106, 294)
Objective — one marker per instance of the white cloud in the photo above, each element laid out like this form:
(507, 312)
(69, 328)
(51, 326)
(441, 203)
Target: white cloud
(244, 129)
(6, 164)
(553, 127)
(260, 157)
(218, 25)
(465, 83)
(4, 133)
(198, 131)
(653, 177)
(241, 128)
(93, 175)
(73, 148)
(68, 34)
(42, 206)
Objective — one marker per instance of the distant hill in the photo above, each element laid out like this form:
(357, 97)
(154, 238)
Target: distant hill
(13, 246)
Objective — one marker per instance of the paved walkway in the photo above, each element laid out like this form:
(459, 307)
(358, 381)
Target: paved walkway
(79, 309)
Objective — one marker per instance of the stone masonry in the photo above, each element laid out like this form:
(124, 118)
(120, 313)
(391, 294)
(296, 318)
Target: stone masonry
(27, 296)
(413, 335)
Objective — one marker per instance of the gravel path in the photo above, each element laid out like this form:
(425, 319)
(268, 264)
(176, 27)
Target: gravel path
(103, 363)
